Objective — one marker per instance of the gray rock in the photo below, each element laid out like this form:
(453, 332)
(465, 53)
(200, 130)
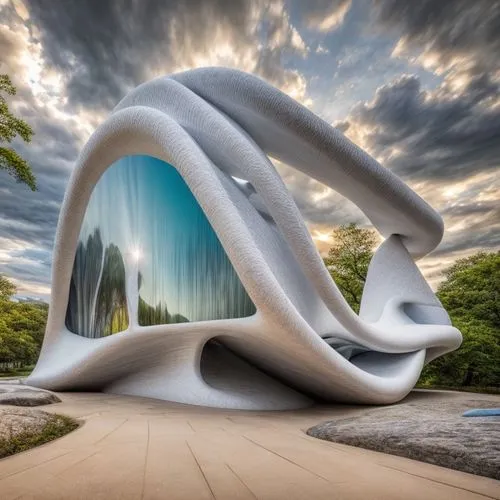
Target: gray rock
(15, 421)
(17, 394)
(432, 431)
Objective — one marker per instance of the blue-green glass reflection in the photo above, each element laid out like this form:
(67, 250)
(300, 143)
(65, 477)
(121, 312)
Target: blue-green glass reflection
(144, 231)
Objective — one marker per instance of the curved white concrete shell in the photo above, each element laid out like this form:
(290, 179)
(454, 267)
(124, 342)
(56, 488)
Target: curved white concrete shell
(302, 342)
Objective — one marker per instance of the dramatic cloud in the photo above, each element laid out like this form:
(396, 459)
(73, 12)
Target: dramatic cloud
(447, 147)
(423, 134)
(74, 61)
(122, 44)
(448, 33)
(414, 83)
(28, 220)
(325, 15)
(444, 141)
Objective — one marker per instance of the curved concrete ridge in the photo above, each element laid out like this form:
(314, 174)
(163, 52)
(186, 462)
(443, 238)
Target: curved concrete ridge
(288, 131)
(213, 125)
(220, 136)
(136, 448)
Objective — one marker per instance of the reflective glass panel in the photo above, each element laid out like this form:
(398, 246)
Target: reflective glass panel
(145, 245)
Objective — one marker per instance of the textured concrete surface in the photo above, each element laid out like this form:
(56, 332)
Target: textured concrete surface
(16, 394)
(138, 448)
(213, 125)
(431, 430)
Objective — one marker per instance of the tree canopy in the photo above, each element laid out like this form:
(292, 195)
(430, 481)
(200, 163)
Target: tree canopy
(22, 326)
(10, 128)
(470, 293)
(7, 288)
(348, 260)
(471, 288)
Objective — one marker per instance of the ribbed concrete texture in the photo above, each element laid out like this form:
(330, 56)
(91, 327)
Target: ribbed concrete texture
(144, 449)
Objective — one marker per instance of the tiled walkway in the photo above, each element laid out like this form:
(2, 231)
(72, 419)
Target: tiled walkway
(135, 448)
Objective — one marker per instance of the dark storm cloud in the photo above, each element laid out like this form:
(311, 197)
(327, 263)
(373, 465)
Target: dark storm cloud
(104, 46)
(483, 234)
(448, 28)
(26, 216)
(430, 134)
(108, 47)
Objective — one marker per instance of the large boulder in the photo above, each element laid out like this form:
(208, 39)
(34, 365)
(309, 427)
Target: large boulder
(17, 394)
(24, 428)
(427, 426)
(17, 421)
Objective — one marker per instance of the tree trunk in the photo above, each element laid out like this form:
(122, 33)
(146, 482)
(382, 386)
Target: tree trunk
(469, 374)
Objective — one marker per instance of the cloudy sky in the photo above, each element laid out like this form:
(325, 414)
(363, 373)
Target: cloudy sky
(415, 83)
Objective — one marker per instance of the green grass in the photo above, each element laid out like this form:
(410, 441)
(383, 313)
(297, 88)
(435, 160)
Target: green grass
(17, 372)
(57, 427)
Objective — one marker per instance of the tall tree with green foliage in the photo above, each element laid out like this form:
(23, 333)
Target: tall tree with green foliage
(22, 326)
(7, 288)
(10, 128)
(348, 260)
(470, 293)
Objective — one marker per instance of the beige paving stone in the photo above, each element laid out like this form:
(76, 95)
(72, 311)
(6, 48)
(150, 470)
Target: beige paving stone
(138, 448)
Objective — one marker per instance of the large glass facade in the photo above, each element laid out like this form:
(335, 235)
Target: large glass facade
(146, 245)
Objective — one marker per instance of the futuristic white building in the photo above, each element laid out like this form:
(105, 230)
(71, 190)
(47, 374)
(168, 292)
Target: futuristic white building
(183, 269)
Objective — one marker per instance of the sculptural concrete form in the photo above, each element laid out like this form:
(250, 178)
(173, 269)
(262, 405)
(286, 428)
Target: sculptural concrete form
(177, 232)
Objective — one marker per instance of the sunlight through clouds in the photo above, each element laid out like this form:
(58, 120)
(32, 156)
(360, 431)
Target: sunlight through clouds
(414, 85)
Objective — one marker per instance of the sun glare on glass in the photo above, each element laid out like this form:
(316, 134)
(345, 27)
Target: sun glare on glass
(136, 254)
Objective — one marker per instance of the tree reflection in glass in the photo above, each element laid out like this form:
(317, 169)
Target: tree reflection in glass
(146, 246)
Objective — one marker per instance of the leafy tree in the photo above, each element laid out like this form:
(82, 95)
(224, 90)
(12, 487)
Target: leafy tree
(11, 127)
(22, 326)
(6, 352)
(27, 317)
(7, 288)
(471, 295)
(348, 260)
(17, 346)
(471, 288)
